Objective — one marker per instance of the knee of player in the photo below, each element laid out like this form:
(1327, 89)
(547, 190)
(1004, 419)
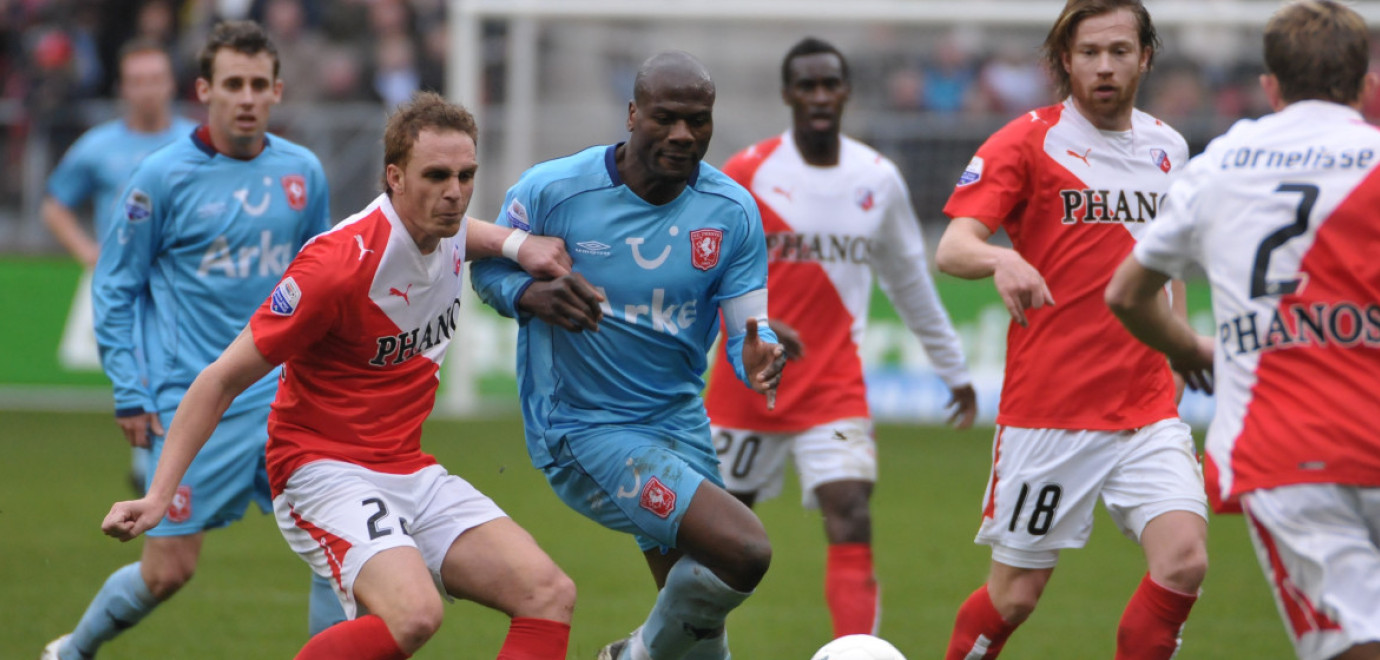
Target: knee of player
(551, 596)
(416, 624)
(166, 578)
(753, 560)
(1184, 570)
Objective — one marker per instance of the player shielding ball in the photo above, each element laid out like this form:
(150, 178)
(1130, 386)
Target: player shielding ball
(662, 244)
(1086, 412)
(834, 212)
(1283, 213)
(362, 320)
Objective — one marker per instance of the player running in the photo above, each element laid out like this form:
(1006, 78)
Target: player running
(204, 230)
(662, 243)
(362, 321)
(835, 211)
(1086, 412)
(1281, 214)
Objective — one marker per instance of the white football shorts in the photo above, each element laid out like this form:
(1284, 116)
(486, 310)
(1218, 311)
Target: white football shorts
(755, 462)
(1317, 546)
(338, 515)
(1045, 483)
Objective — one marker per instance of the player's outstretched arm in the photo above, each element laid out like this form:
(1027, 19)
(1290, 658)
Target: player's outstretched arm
(568, 302)
(543, 257)
(963, 251)
(240, 366)
(1136, 296)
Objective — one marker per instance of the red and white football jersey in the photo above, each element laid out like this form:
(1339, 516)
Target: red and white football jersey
(827, 230)
(1283, 213)
(361, 320)
(1073, 199)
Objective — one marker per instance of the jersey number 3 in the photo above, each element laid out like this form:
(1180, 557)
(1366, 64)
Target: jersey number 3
(1260, 286)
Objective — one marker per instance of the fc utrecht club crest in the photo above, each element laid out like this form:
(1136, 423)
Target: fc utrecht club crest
(704, 248)
(1161, 160)
(864, 198)
(657, 498)
(181, 508)
(295, 187)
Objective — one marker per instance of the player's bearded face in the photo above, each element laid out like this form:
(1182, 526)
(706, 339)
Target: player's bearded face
(671, 131)
(1105, 62)
(239, 96)
(432, 190)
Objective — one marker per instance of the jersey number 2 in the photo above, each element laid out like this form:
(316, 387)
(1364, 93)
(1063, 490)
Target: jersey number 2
(1260, 286)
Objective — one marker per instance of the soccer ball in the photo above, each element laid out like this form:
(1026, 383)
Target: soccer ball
(858, 647)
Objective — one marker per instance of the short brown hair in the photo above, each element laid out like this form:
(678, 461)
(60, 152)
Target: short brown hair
(140, 46)
(426, 110)
(246, 37)
(1317, 49)
(1060, 38)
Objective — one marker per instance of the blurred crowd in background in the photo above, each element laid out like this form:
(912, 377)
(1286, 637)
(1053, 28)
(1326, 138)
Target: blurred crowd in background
(924, 95)
(58, 51)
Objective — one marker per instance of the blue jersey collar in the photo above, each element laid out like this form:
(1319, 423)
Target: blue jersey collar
(611, 164)
(201, 139)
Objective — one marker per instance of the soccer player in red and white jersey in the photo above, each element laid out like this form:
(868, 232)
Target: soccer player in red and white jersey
(1086, 412)
(1281, 213)
(362, 319)
(834, 211)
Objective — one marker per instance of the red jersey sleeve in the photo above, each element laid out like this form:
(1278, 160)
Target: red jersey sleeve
(304, 306)
(997, 181)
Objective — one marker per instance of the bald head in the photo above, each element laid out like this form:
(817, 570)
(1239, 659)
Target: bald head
(672, 72)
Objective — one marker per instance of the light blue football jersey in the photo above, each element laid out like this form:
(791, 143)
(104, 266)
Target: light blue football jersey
(99, 163)
(198, 242)
(664, 271)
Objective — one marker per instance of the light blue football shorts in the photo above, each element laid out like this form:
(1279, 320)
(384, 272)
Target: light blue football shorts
(634, 479)
(225, 476)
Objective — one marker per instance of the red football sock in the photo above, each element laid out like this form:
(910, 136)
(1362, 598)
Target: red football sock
(365, 638)
(979, 631)
(850, 588)
(1151, 624)
(535, 639)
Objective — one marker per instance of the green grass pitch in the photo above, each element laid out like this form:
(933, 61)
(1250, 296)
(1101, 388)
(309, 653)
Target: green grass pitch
(60, 472)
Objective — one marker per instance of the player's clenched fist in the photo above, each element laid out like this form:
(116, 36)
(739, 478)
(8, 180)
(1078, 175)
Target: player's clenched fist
(131, 518)
(544, 257)
(568, 302)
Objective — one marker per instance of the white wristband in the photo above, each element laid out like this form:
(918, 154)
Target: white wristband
(513, 243)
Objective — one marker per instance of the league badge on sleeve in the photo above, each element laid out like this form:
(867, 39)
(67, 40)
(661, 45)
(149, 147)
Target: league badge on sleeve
(285, 297)
(1161, 160)
(138, 206)
(517, 216)
(864, 198)
(704, 247)
(295, 187)
(972, 173)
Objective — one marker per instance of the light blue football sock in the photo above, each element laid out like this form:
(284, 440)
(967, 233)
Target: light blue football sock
(323, 608)
(689, 611)
(123, 601)
(714, 648)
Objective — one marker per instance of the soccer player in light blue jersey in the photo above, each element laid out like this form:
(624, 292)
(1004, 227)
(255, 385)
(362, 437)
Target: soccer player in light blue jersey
(610, 357)
(203, 232)
(96, 169)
